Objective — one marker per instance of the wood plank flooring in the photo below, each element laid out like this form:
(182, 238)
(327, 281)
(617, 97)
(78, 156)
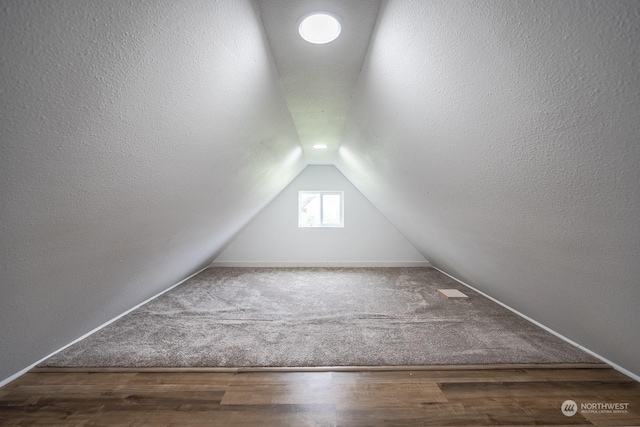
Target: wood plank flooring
(452, 397)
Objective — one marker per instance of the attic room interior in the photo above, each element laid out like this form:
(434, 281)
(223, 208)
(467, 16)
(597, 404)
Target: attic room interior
(428, 215)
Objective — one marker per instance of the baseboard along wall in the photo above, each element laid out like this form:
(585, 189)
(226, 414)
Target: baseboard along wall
(346, 264)
(33, 365)
(321, 264)
(546, 328)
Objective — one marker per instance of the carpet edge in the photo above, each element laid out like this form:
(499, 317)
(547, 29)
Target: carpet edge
(331, 368)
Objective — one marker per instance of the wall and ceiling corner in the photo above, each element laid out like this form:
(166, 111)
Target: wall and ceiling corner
(273, 238)
(318, 80)
(137, 138)
(501, 137)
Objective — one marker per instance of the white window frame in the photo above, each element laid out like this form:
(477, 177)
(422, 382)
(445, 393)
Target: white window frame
(301, 194)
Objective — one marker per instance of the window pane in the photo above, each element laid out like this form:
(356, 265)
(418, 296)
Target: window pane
(309, 210)
(320, 209)
(331, 209)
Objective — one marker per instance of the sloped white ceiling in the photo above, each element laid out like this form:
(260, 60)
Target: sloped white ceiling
(500, 137)
(503, 139)
(136, 139)
(318, 80)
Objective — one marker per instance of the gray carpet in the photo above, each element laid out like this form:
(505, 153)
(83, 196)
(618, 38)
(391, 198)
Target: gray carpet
(241, 317)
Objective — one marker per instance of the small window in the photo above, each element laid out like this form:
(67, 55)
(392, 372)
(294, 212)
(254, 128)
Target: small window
(320, 209)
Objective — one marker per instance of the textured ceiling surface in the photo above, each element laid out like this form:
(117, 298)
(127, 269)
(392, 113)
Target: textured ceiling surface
(136, 139)
(503, 139)
(318, 80)
(500, 137)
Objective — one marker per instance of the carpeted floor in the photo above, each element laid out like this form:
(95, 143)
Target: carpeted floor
(240, 317)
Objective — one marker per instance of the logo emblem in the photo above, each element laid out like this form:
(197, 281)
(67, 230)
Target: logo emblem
(569, 408)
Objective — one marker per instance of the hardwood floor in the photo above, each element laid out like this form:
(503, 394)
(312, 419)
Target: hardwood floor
(453, 397)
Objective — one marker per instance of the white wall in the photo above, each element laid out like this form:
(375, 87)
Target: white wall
(135, 139)
(502, 138)
(274, 238)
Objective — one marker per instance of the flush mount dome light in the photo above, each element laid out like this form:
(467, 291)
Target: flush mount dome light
(319, 146)
(319, 28)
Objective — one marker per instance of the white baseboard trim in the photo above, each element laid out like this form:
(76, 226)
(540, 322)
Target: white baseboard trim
(28, 368)
(321, 264)
(418, 264)
(546, 328)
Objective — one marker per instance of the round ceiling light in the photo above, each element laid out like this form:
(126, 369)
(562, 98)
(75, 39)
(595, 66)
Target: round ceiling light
(320, 146)
(319, 28)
